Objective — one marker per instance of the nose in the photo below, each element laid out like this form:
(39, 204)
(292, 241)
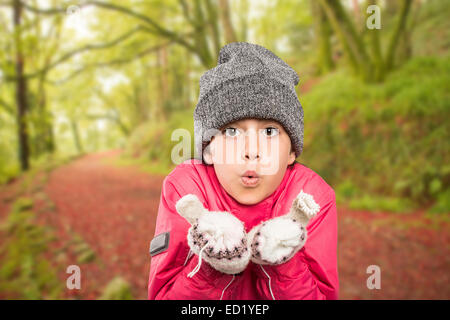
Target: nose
(251, 146)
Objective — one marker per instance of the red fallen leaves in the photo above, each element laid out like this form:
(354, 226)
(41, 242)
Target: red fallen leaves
(114, 210)
(413, 257)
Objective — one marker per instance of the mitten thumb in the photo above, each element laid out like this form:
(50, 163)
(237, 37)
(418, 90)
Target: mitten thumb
(190, 208)
(304, 208)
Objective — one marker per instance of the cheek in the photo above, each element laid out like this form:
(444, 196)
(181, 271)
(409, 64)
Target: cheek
(272, 180)
(227, 150)
(276, 157)
(285, 148)
(277, 149)
(226, 176)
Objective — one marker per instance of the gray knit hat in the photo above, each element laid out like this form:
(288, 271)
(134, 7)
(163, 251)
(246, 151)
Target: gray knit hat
(249, 81)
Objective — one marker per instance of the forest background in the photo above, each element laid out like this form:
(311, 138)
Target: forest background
(103, 85)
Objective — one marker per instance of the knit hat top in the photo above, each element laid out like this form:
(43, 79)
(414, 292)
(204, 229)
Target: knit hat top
(249, 81)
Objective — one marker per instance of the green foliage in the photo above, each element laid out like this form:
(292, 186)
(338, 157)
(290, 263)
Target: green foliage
(8, 170)
(432, 29)
(346, 190)
(442, 204)
(9, 162)
(22, 204)
(389, 140)
(374, 203)
(25, 273)
(151, 143)
(81, 248)
(117, 289)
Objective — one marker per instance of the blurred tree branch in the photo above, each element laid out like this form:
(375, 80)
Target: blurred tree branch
(121, 61)
(72, 53)
(195, 17)
(112, 114)
(154, 27)
(114, 118)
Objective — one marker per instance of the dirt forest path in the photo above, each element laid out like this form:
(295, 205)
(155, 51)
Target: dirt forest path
(113, 209)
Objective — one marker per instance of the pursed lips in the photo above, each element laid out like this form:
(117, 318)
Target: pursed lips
(251, 174)
(250, 178)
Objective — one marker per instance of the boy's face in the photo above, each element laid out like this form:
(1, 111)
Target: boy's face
(262, 146)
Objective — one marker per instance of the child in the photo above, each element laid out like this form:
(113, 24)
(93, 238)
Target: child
(258, 224)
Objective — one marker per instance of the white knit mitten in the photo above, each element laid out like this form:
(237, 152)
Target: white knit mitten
(277, 240)
(218, 237)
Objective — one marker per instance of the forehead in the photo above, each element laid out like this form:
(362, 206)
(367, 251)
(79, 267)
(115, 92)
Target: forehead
(251, 121)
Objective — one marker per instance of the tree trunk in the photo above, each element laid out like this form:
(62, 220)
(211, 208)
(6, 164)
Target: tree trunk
(187, 84)
(21, 91)
(350, 39)
(243, 16)
(200, 36)
(44, 119)
(398, 31)
(322, 26)
(51, 146)
(377, 57)
(164, 68)
(230, 34)
(76, 136)
(357, 13)
(333, 17)
(163, 84)
(213, 25)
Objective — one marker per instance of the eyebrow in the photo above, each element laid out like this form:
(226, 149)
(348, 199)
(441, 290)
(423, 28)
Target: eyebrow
(272, 122)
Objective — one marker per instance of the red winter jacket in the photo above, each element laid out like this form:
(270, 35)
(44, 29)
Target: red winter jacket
(311, 274)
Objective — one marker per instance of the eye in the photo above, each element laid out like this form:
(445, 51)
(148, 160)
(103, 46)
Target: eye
(271, 131)
(232, 132)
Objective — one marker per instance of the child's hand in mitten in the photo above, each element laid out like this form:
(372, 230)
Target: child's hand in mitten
(217, 237)
(277, 240)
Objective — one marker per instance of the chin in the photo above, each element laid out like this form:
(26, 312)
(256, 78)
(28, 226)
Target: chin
(250, 199)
